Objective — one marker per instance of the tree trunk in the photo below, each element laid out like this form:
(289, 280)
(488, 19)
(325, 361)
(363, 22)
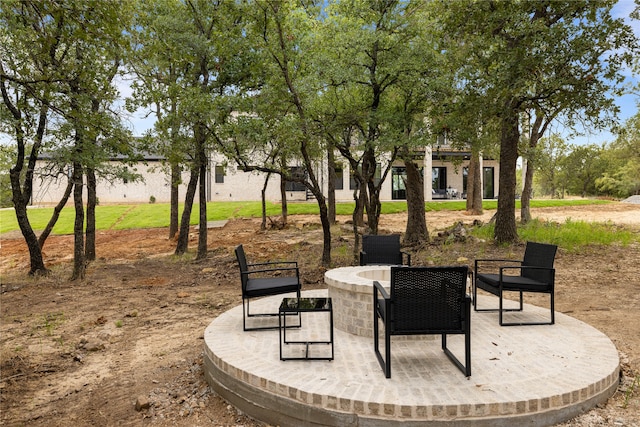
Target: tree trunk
(30, 238)
(373, 206)
(56, 214)
(361, 202)
(79, 266)
(326, 232)
(202, 163)
(356, 239)
(263, 198)
(505, 230)
(202, 225)
(92, 201)
(20, 195)
(176, 170)
(331, 184)
(474, 185)
(183, 236)
(175, 182)
(416, 230)
(283, 196)
(373, 211)
(326, 226)
(525, 201)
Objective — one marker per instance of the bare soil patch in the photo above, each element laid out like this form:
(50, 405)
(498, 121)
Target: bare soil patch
(85, 352)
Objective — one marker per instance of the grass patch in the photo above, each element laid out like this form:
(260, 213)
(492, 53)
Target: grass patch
(147, 215)
(569, 235)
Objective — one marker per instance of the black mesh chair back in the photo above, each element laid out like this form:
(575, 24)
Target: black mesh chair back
(382, 250)
(539, 255)
(242, 263)
(427, 300)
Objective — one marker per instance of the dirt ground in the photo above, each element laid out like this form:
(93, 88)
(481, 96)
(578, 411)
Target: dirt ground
(85, 353)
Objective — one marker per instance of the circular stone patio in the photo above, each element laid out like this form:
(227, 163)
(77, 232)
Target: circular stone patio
(533, 375)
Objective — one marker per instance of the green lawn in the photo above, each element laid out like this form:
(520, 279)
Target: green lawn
(157, 215)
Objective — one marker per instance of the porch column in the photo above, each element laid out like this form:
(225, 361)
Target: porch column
(428, 165)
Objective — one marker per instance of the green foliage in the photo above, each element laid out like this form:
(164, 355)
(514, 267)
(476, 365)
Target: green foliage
(622, 177)
(514, 57)
(550, 176)
(582, 166)
(631, 391)
(51, 321)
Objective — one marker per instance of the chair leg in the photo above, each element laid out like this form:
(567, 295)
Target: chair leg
(375, 332)
(265, 328)
(475, 294)
(466, 369)
(474, 302)
(551, 321)
(467, 352)
(521, 304)
(387, 351)
(384, 363)
(500, 308)
(244, 317)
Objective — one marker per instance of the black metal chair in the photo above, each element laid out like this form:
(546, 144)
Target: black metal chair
(383, 250)
(423, 301)
(535, 273)
(265, 279)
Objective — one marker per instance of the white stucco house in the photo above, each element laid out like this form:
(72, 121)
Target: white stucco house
(227, 183)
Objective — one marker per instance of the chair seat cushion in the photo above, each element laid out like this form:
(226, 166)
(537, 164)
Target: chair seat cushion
(484, 281)
(271, 286)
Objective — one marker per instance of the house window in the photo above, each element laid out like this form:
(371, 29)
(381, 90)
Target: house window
(376, 177)
(439, 178)
(398, 183)
(339, 178)
(465, 178)
(220, 174)
(298, 173)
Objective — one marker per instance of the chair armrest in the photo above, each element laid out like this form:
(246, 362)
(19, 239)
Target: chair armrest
(497, 260)
(270, 270)
(493, 261)
(551, 271)
(408, 257)
(524, 267)
(377, 287)
(259, 264)
(467, 308)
